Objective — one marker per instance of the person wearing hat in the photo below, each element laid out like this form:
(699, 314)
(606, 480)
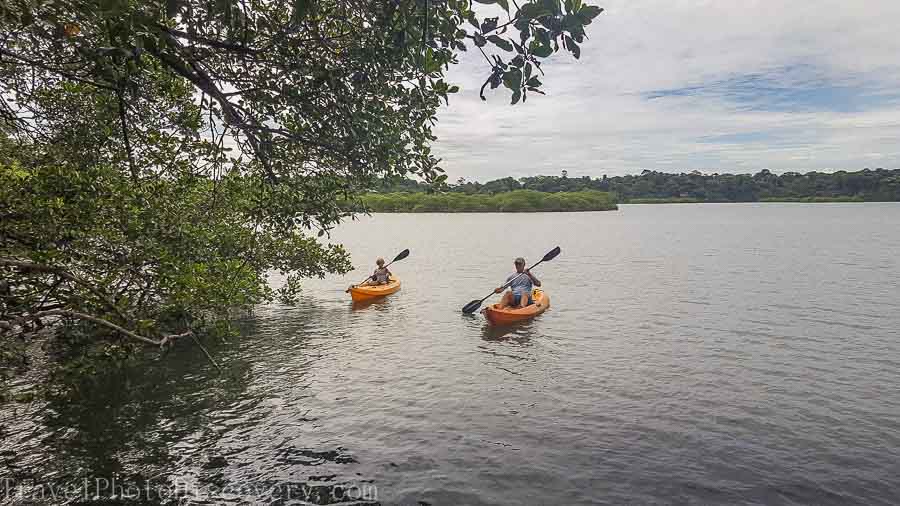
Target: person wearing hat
(520, 284)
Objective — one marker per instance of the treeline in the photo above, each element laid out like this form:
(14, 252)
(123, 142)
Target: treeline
(652, 186)
(419, 201)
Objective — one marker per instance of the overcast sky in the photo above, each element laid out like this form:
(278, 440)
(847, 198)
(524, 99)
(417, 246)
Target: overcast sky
(678, 85)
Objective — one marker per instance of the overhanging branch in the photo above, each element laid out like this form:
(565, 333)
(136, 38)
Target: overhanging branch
(63, 73)
(9, 324)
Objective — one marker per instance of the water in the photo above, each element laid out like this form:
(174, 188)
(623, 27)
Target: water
(692, 354)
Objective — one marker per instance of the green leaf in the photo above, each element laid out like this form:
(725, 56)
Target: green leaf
(533, 82)
(573, 47)
(572, 22)
(453, 89)
(533, 11)
(589, 12)
(523, 25)
(512, 79)
(540, 50)
(480, 41)
(552, 6)
(431, 65)
(470, 17)
(578, 34)
(527, 71)
(501, 42)
(543, 36)
(489, 25)
(517, 94)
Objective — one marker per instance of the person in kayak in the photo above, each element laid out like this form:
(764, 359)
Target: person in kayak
(521, 284)
(381, 276)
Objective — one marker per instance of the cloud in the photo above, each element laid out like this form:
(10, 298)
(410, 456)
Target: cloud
(795, 88)
(691, 84)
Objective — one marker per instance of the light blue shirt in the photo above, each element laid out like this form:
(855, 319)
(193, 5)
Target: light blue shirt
(522, 285)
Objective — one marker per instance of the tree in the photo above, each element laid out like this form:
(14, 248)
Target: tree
(159, 158)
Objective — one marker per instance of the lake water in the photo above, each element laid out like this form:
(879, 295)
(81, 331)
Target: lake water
(692, 354)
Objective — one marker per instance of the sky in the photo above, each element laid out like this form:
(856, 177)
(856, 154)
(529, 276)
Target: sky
(681, 85)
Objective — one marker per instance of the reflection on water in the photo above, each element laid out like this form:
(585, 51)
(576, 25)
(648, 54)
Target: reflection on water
(519, 333)
(694, 354)
(377, 304)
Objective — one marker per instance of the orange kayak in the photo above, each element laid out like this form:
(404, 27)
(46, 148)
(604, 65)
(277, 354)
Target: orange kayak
(506, 316)
(369, 292)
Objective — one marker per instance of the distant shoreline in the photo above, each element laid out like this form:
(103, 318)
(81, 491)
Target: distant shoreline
(819, 200)
(650, 187)
(788, 200)
(517, 201)
(402, 203)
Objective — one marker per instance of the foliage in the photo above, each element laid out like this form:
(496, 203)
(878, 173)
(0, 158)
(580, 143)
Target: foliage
(669, 200)
(854, 198)
(514, 201)
(158, 256)
(659, 187)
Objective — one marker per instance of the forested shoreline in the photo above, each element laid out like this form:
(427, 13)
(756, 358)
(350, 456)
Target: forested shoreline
(649, 187)
(505, 202)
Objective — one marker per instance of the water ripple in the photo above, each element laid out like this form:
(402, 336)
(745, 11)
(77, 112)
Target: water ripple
(692, 354)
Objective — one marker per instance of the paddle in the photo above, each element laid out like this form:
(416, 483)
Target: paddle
(400, 256)
(471, 307)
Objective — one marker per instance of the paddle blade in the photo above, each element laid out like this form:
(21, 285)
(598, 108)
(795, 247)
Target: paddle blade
(552, 254)
(403, 254)
(471, 307)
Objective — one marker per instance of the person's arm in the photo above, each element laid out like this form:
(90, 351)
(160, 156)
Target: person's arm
(500, 288)
(534, 280)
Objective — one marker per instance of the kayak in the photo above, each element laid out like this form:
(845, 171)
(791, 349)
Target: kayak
(369, 292)
(497, 316)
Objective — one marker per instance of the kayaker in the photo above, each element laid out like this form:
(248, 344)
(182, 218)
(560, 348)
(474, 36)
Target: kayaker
(521, 284)
(381, 276)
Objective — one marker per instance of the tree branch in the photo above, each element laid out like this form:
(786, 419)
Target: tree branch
(67, 75)
(218, 44)
(199, 78)
(50, 269)
(124, 121)
(8, 324)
